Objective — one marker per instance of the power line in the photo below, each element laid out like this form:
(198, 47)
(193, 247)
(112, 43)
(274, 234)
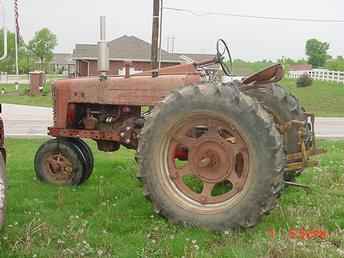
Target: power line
(197, 13)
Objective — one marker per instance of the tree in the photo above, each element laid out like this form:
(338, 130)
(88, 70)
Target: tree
(317, 52)
(25, 60)
(336, 64)
(42, 46)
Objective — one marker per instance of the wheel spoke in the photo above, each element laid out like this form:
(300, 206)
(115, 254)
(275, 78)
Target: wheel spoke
(235, 147)
(213, 129)
(207, 189)
(235, 180)
(184, 171)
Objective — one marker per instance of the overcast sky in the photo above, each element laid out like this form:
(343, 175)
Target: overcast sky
(76, 21)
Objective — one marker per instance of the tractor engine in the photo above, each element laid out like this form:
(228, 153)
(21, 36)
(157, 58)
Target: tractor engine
(126, 121)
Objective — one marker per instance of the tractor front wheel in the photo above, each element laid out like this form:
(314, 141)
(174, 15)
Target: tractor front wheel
(87, 152)
(210, 156)
(60, 162)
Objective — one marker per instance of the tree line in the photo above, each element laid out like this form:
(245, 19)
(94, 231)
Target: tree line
(36, 54)
(315, 50)
(317, 55)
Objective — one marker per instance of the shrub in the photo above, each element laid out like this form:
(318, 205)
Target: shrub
(304, 81)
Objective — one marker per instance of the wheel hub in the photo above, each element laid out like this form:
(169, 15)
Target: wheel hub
(59, 167)
(209, 160)
(216, 167)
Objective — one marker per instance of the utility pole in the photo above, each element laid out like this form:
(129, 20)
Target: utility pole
(155, 38)
(173, 38)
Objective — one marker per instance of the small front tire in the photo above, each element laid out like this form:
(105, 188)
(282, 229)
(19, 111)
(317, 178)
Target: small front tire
(86, 150)
(60, 162)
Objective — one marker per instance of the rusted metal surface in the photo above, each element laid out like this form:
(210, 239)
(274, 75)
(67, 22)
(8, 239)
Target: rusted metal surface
(301, 160)
(133, 91)
(90, 134)
(58, 168)
(217, 155)
(271, 74)
(182, 69)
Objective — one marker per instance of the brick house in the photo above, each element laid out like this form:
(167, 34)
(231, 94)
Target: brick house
(123, 49)
(62, 63)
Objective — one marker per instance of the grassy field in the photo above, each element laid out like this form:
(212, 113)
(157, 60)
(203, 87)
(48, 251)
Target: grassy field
(21, 97)
(109, 217)
(322, 98)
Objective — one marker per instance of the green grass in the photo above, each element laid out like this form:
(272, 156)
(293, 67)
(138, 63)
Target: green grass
(109, 217)
(21, 97)
(322, 98)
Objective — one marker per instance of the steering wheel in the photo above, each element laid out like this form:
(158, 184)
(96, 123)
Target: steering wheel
(224, 57)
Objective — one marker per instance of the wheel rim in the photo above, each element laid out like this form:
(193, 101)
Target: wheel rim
(59, 168)
(217, 164)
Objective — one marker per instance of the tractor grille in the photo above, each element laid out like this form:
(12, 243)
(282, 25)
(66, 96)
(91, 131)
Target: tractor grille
(54, 96)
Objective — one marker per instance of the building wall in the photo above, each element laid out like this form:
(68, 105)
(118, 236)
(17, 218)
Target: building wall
(85, 67)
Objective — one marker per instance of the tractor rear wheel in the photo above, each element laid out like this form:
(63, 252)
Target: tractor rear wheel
(60, 162)
(284, 107)
(2, 190)
(211, 156)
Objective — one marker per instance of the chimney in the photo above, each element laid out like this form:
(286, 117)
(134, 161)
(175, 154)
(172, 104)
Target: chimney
(103, 55)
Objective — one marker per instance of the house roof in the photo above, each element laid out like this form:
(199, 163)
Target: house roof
(300, 67)
(123, 48)
(62, 59)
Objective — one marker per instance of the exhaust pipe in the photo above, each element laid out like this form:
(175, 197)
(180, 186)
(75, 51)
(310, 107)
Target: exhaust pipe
(103, 54)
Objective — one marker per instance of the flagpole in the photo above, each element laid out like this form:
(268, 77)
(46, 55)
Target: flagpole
(16, 40)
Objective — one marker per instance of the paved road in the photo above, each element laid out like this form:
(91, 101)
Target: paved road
(330, 127)
(22, 121)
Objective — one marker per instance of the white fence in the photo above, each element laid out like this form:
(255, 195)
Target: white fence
(10, 79)
(25, 78)
(319, 74)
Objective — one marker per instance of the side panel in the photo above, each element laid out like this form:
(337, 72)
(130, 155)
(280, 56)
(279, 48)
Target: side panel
(133, 91)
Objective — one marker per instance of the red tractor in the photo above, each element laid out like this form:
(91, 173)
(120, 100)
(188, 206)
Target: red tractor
(210, 154)
(2, 172)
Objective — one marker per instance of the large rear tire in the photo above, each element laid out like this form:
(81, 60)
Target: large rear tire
(234, 171)
(2, 190)
(284, 107)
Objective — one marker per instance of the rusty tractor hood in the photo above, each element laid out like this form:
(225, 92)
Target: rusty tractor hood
(136, 90)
